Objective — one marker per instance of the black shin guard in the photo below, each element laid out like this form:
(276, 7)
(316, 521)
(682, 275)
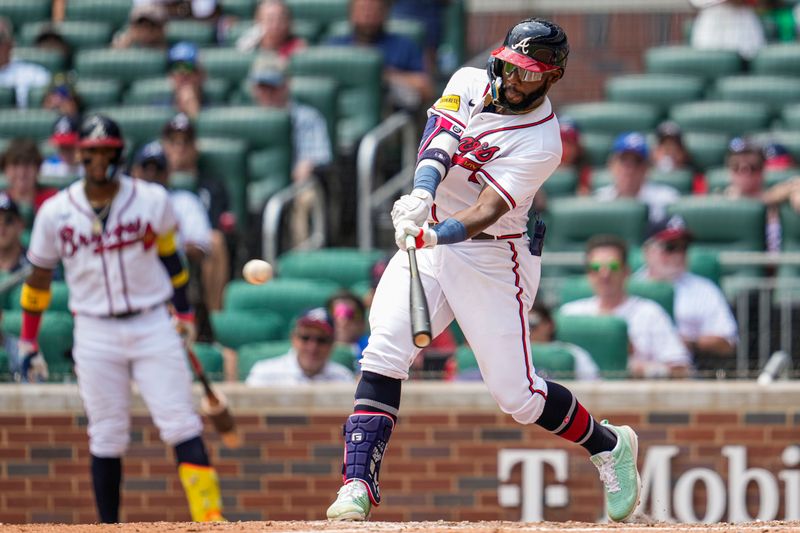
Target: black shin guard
(107, 478)
(193, 452)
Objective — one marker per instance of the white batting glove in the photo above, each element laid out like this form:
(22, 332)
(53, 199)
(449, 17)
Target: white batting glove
(424, 237)
(33, 368)
(414, 207)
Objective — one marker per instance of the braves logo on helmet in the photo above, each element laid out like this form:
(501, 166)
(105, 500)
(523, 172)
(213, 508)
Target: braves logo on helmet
(522, 46)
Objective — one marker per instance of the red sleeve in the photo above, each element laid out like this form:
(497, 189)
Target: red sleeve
(42, 194)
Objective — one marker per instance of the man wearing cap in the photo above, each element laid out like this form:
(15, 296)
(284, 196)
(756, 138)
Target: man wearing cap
(311, 145)
(308, 360)
(702, 314)
(629, 165)
(147, 28)
(63, 165)
(18, 75)
(187, 77)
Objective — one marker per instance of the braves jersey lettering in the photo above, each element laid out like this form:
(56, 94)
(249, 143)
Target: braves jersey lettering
(120, 237)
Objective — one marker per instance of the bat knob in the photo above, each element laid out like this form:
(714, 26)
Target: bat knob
(422, 340)
(231, 440)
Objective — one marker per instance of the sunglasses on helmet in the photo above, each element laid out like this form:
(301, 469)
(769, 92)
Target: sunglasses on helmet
(524, 75)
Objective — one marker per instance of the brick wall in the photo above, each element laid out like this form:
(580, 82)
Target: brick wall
(442, 462)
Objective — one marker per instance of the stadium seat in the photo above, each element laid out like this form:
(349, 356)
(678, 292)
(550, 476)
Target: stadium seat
(604, 337)
(685, 60)
(791, 116)
(21, 12)
(321, 11)
(358, 77)
(562, 182)
(34, 123)
(157, 91)
(779, 59)
(125, 66)
(661, 293)
(8, 97)
(55, 339)
(115, 13)
(93, 93)
(707, 149)
(195, 31)
(722, 224)
(234, 328)
(251, 353)
(4, 370)
(239, 8)
(321, 94)
(659, 90)
(80, 34)
(790, 239)
(140, 124)
(210, 358)
(412, 29)
(225, 159)
(343, 266)
(574, 220)
(50, 59)
(774, 91)
(679, 179)
(287, 297)
(597, 146)
(226, 63)
(612, 117)
(552, 360)
(344, 356)
(730, 118)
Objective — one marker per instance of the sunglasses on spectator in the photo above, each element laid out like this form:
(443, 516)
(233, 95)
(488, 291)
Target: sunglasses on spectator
(524, 75)
(674, 246)
(597, 266)
(745, 168)
(315, 338)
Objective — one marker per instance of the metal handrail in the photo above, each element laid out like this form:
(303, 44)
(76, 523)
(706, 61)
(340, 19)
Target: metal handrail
(369, 199)
(271, 221)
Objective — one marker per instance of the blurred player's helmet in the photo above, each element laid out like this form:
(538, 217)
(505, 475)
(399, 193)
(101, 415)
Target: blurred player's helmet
(535, 45)
(98, 131)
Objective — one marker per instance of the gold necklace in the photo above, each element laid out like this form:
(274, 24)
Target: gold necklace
(97, 223)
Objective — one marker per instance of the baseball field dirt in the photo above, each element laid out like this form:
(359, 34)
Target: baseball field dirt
(404, 527)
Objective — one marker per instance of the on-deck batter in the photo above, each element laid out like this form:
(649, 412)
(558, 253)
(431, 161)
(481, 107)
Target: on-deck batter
(487, 148)
(115, 236)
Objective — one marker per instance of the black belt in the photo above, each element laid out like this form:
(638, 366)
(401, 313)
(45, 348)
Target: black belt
(130, 314)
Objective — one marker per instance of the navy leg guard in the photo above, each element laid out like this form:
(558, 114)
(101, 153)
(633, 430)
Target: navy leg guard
(192, 451)
(106, 479)
(366, 436)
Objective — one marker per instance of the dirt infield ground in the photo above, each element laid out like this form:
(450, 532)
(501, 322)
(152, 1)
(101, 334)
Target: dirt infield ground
(405, 527)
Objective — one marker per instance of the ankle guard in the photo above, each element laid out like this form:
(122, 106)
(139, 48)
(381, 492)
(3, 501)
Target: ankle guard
(365, 439)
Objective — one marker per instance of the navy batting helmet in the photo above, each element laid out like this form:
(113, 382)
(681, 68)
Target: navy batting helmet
(99, 130)
(535, 45)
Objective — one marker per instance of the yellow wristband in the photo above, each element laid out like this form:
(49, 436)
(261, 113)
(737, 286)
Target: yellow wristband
(166, 244)
(34, 300)
(180, 279)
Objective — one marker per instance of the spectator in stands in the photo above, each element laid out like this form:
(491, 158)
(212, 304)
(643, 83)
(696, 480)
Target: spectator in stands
(629, 165)
(12, 252)
(670, 153)
(63, 165)
(728, 25)
(18, 75)
(702, 314)
(180, 146)
(20, 163)
(308, 360)
(62, 97)
(272, 32)
(205, 10)
(777, 158)
(404, 74)
(311, 145)
(349, 321)
(543, 331)
(146, 29)
(573, 156)
(186, 76)
(656, 347)
(49, 38)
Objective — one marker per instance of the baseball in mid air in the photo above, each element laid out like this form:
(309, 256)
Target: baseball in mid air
(257, 271)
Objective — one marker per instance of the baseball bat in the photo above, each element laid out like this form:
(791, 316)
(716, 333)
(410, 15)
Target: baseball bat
(214, 406)
(420, 317)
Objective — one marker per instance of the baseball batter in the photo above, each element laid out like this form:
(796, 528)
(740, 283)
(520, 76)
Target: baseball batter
(487, 148)
(115, 236)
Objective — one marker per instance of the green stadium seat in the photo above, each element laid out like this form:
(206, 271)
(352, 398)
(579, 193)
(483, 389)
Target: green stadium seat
(125, 66)
(8, 97)
(80, 34)
(234, 328)
(730, 118)
(791, 116)
(226, 63)
(790, 239)
(287, 297)
(239, 8)
(322, 11)
(359, 79)
(661, 293)
(562, 182)
(612, 117)
(660, 90)
(553, 360)
(4, 375)
(52, 60)
(55, 339)
(140, 124)
(344, 356)
(774, 91)
(156, 91)
(21, 12)
(597, 146)
(115, 13)
(604, 337)
(92, 92)
(34, 123)
(210, 358)
(250, 354)
(779, 59)
(465, 359)
(59, 297)
(343, 266)
(321, 94)
(685, 60)
(195, 31)
(412, 29)
(574, 220)
(679, 179)
(226, 159)
(707, 149)
(722, 224)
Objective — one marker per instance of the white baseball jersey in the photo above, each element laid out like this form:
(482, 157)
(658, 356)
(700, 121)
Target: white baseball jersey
(114, 271)
(513, 154)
